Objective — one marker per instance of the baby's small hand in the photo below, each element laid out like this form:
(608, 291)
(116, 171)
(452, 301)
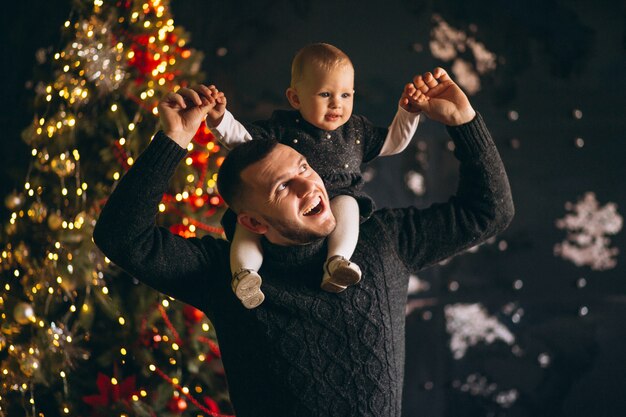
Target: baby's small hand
(412, 99)
(217, 101)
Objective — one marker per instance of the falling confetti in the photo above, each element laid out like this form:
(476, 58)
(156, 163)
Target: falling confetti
(587, 226)
(470, 324)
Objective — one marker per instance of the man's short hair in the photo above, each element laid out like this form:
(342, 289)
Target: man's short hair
(229, 182)
(320, 55)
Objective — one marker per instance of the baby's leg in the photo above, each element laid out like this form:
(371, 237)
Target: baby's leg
(246, 258)
(245, 250)
(339, 272)
(342, 241)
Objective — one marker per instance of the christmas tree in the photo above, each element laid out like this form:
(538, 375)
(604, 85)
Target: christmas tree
(77, 336)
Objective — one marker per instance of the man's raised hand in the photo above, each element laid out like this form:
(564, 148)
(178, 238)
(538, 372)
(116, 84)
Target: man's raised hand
(182, 112)
(439, 97)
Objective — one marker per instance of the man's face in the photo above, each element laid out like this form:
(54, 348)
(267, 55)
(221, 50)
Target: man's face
(325, 97)
(285, 199)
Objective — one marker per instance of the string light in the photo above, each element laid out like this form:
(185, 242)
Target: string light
(82, 77)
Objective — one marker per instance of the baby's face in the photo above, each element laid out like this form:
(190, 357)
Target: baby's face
(325, 97)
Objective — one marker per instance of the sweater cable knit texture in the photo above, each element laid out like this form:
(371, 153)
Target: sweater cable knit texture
(305, 352)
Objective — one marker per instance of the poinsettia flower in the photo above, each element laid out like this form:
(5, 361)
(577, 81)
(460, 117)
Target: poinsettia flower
(109, 393)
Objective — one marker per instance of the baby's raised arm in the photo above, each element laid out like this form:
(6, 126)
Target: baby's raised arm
(404, 124)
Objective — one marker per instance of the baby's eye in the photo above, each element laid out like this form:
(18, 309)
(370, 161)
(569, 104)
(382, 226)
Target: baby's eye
(346, 95)
(325, 95)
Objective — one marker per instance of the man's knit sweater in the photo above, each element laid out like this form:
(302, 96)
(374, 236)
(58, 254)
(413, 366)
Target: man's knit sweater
(305, 352)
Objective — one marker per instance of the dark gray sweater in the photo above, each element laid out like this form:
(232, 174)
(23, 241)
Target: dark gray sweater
(305, 352)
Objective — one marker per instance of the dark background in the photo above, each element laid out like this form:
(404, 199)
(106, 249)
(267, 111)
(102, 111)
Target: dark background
(553, 57)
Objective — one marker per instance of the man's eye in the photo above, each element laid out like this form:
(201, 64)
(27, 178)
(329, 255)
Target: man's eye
(304, 167)
(281, 187)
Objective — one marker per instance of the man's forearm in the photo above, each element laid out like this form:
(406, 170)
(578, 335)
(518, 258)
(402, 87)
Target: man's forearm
(127, 232)
(483, 182)
(131, 209)
(481, 207)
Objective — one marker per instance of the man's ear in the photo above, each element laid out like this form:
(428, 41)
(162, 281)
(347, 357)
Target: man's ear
(252, 223)
(292, 96)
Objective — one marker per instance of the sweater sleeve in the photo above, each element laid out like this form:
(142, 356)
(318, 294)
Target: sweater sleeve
(127, 233)
(481, 207)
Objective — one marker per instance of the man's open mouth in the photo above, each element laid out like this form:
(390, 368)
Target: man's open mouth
(315, 208)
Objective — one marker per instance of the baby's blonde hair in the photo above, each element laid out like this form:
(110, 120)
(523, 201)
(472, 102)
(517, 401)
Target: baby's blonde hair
(321, 55)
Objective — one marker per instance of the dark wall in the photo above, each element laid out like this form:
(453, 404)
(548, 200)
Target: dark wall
(26, 28)
(553, 58)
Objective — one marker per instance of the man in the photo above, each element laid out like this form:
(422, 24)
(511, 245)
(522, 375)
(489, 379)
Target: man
(304, 352)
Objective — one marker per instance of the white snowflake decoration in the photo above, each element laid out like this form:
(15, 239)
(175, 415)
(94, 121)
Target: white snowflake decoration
(447, 42)
(587, 226)
(507, 398)
(466, 76)
(417, 285)
(470, 324)
(478, 385)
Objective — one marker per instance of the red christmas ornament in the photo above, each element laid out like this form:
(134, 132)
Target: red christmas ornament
(171, 38)
(216, 200)
(177, 404)
(203, 136)
(143, 60)
(142, 39)
(192, 314)
(198, 201)
(199, 159)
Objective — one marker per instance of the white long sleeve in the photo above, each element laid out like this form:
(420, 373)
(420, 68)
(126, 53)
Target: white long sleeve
(401, 131)
(230, 132)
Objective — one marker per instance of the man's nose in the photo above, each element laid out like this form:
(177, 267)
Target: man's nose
(303, 186)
